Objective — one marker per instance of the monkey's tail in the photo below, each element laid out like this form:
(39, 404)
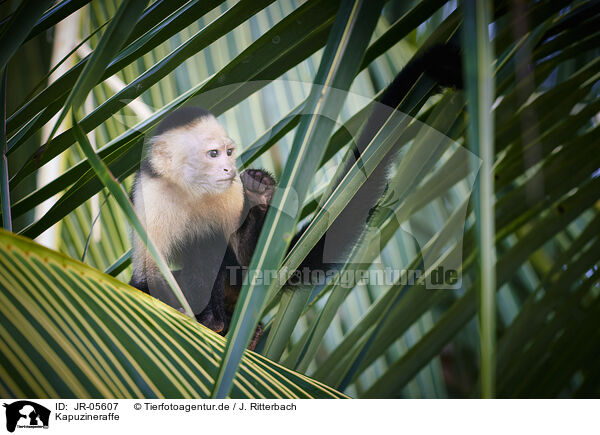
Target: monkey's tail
(440, 62)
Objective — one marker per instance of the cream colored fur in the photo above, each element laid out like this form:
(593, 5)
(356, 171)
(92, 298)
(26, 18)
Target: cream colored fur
(187, 198)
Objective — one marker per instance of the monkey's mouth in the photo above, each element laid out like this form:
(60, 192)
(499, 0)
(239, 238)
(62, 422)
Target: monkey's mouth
(230, 179)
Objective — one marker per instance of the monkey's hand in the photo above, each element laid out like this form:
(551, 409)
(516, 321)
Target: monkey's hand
(259, 186)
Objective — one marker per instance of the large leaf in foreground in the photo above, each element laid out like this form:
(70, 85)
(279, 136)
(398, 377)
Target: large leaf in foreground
(68, 330)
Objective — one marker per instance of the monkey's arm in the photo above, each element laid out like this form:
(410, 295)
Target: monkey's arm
(258, 191)
(259, 187)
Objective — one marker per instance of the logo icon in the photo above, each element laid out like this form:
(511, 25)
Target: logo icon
(26, 414)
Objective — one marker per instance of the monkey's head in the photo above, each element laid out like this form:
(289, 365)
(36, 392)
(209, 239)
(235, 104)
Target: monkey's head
(192, 150)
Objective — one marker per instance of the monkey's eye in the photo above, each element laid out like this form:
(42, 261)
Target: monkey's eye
(213, 153)
(230, 151)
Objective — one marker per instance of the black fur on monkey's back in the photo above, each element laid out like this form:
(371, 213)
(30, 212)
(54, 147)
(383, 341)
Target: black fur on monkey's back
(441, 63)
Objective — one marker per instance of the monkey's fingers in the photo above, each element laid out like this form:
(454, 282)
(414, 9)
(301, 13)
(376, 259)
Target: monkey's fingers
(257, 181)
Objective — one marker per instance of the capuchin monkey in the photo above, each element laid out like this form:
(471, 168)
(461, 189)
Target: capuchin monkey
(196, 208)
(205, 218)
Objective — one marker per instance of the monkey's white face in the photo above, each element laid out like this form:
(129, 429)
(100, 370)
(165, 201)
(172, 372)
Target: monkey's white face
(199, 157)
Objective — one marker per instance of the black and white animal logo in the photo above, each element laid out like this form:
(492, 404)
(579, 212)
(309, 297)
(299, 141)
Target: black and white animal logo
(26, 414)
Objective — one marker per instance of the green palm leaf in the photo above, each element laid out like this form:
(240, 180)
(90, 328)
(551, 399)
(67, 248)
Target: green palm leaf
(68, 330)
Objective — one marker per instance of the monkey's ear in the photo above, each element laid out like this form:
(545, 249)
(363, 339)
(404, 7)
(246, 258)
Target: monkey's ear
(160, 157)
